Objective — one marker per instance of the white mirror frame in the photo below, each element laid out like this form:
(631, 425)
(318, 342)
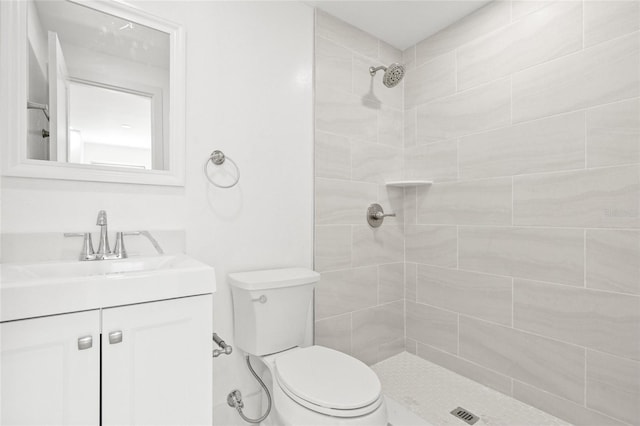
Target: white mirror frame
(13, 101)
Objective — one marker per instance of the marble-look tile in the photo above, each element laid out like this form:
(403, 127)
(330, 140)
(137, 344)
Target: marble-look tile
(521, 8)
(432, 326)
(410, 127)
(345, 114)
(594, 198)
(479, 109)
(604, 20)
(333, 156)
(333, 65)
(432, 80)
(372, 246)
(613, 134)
(547, 364)
(548, 33)
(436, 161)
(409, 57)
(483, 296)
(484, 20)
(335, 333)
(605, 321)
(613, 260)
(378, 332)
(576, 414)
(411, 281)
(607, 72)
(333, 247)
(375, 163)
(340, 292)
(392, 201)
(391, 282)
(370, 88)
(474, 202)
(545, 254)
(410, 346)
(613, 386)
(550, 144)
(410, 206)
(431, 245)
(388, 54)
(342, 202)
(390, 126)
(468, 369)
(347, 35)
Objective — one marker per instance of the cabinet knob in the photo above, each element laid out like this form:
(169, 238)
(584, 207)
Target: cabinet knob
(115, 337)
(85, 342)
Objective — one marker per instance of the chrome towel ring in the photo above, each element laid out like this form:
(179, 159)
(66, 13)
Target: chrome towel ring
(218, 158)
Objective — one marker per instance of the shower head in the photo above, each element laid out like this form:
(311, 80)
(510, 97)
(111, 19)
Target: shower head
(392, 74)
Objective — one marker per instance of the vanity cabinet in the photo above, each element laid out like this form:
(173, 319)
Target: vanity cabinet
(144, 364)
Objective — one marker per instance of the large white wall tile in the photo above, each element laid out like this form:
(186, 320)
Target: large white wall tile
(547, 364)
(375, 246)
(436, 161)
(548, 33)
(605, 321)
(390, 126)
(332, 156)
(433, 326)
(483, 296)
(613, 260)
(613, 134)
(430, 81)
(545, 254)
(604, 20)
(340, 292)
(375, 163)
(475, 202)
(378, 332)
(550, 144)
(334, 333)
(577, 414)
(391, 282)
(484, 20)
(475, 110)
(345, 114)
(604, 73)
(521, 8)
(333, 247)
(596, 198)
(333, 65)
(342, 202)
(334, 29)
(431, 245)
(613, 386)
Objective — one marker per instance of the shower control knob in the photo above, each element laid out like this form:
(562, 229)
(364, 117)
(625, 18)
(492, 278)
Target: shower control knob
(376, 215)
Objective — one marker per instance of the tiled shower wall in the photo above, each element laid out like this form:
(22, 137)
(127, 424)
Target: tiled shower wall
(523, 258)
(358, 144)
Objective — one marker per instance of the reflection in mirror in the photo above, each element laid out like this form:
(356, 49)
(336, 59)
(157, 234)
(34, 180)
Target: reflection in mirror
(103, 82)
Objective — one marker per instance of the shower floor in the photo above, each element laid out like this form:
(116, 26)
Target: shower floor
(432, 392)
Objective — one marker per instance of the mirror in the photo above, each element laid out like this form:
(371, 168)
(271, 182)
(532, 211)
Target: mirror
(103, 92)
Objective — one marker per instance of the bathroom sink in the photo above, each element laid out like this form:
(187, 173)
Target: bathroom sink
(47, 288)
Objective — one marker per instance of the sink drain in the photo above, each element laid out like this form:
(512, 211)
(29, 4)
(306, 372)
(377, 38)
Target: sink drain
(465, 415)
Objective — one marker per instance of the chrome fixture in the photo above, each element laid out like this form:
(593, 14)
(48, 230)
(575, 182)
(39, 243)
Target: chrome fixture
(104, 252)
(393, 74)
(224, 348)
(43, 107)
(376, 215)
(218, 158)
(234, 399)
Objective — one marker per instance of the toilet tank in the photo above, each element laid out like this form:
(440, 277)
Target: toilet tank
(271, 308)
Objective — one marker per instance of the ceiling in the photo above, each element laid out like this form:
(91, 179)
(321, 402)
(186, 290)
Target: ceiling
(400, 23)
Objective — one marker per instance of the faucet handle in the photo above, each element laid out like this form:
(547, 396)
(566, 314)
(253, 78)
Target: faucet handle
(87, 252)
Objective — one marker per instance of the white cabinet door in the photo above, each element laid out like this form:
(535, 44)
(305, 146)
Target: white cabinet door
(49, 376)
(159, 373)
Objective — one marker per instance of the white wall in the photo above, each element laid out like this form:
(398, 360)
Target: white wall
(249, 93)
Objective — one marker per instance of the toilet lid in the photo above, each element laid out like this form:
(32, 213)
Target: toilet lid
(328, 378)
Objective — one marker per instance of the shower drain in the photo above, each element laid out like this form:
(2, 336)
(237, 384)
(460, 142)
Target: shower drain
(465, 415)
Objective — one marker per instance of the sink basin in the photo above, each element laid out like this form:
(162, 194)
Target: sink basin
(47, 288)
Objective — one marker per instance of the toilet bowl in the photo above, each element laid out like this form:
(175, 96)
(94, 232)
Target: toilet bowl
(311, 385)
(320, 386)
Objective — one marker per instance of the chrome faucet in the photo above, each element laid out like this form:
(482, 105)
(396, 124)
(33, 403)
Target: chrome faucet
(104, 252)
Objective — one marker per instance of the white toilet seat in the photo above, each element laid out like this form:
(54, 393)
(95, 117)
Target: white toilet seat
(328, 382)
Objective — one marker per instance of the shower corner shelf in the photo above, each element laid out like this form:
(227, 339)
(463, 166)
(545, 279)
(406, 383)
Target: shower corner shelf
(408, 183)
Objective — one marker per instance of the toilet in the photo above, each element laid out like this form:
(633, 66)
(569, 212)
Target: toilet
(311, 385)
